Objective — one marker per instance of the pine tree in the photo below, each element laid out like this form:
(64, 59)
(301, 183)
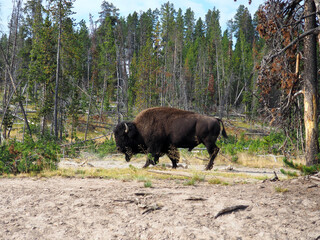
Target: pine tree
(60, 11)
(42, 70)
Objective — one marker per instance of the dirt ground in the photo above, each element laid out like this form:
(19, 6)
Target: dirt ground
(91, 208)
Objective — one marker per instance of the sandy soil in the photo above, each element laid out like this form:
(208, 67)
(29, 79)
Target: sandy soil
(74, 208)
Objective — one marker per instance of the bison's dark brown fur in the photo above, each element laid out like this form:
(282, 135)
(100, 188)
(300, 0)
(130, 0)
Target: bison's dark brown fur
(162, 130)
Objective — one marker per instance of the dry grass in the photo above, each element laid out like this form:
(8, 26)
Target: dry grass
(189, 177)
(279, 189)
(260, 161)
(124, 174)
(264, 161)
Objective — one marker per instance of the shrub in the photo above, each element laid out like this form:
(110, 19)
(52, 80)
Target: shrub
(289, 173)
(147, 184)
(28, 156)
(234, 159)
(107, 147)
(305, 170)
(267, 144)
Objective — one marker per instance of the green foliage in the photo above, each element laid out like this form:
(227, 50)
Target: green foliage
(190, 182)
(289, 173)
(268, 144)
(74, 149)
(234, 159)
(305, 170)
(147, 184)
(107, 147)
(217, 181)
(28, 156)
(195, 178)
(8, 119)
(102, 149)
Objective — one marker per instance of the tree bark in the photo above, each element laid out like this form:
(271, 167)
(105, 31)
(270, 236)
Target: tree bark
(89, 113)
(310, 87)
(56, 95)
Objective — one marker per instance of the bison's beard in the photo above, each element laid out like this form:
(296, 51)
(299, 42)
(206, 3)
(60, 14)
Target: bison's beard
(128, 154)
(128, 158)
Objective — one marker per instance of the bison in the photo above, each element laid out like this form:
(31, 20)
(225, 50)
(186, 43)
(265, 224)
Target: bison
(162, 130)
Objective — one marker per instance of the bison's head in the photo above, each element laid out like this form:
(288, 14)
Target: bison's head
(128, 139)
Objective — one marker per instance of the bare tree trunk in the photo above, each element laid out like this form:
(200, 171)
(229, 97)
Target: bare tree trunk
(43, 118)
(89, 113)
(219, 85)
(15, 91)
(310, 87)
(55, 115)
(13, 28)
(103, 93)
(61, 121)
(24, 124)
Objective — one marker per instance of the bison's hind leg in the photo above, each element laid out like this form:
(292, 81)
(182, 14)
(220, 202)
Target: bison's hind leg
(147, 164)
(213, 152)
(174, 156)
(212, 157)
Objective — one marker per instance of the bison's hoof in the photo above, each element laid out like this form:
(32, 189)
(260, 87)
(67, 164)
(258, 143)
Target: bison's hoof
(208, 168)
(146, 165)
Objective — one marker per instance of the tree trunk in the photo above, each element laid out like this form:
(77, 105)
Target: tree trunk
(310, 88)
(15, 91)
(102, 97)
(89, 113)
(55, 115)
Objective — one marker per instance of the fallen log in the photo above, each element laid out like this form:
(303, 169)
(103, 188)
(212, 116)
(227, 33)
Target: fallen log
(92, 139)
(230, 210)
(152, 208)
(196, 199)
(315, 178)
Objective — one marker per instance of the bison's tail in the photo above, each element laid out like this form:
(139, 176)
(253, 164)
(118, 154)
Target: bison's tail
(224, 133)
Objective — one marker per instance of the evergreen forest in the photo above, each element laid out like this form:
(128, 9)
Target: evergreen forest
(59, 77)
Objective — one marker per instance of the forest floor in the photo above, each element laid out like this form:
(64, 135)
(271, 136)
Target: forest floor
(244, 205)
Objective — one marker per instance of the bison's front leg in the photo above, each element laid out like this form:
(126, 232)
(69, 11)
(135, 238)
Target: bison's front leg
(151, 159)
(213, 155)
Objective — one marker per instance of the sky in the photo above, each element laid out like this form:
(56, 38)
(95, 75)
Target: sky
(83, 8)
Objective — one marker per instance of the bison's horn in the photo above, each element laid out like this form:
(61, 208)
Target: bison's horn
(127, 128)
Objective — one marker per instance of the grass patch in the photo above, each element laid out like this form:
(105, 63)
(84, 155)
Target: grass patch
(142, 178)
(143, 175)
(198, 178)
(195, 178)
(124, 174)
(289, 173)
(190, 182)
(279, 189)
(148, 184)
(214, 181)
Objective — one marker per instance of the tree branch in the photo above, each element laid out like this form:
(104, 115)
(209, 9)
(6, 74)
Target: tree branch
(312, 31)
